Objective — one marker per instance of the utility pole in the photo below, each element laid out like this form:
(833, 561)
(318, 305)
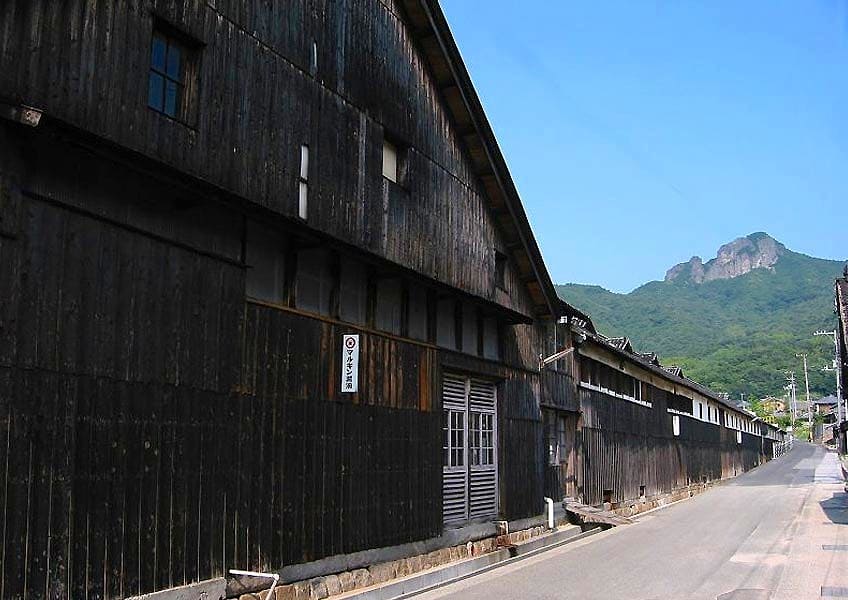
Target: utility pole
(840, 407)
(807, 387)
(793, 406)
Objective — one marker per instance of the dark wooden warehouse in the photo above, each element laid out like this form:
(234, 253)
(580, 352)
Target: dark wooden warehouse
(646, 430)
(202, 203)
(199, 201)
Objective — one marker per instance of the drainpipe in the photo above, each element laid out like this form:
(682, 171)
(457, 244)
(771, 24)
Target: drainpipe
(550, 504)
(273, 576)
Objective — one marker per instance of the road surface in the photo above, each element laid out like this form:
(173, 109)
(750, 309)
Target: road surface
(778, 532)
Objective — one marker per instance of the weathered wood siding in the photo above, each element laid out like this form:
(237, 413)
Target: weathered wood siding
(138, 457)
(521, 452)
(86, 62)
(625, 446)
(115, 381)
(841, 298)
(158, 428)
(337, 472)
(559, 390)
(561, 480)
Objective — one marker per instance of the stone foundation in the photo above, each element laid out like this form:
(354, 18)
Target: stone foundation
(318, 588)
(635, 507)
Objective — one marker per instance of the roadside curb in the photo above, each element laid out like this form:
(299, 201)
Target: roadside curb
(420, 583)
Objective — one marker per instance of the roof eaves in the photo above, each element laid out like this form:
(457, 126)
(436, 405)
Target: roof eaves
(663, 372)
(494, 155)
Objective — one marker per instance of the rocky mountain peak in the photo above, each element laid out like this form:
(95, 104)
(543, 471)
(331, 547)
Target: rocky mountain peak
(742, 255)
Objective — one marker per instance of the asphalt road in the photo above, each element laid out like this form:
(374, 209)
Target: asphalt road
(780, 532)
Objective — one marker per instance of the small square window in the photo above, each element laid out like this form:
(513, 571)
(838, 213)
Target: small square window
(303, 184)
(171, 80)
(390, 161)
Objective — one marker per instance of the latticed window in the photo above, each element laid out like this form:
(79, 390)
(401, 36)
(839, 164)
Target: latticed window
(482, 441)
(555, 437)
(453, 435)
(171, 77)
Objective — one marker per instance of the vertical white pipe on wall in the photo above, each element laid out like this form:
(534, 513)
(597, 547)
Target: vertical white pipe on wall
(550, 503)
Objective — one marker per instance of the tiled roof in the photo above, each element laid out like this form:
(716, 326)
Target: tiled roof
(674, 370)
(622, 343)
(651, 357)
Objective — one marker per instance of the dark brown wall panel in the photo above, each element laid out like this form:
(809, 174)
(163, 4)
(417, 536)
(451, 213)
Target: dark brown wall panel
(114, 387)
(625, 446)
(346, 472)
(85, 62)
(137, 461)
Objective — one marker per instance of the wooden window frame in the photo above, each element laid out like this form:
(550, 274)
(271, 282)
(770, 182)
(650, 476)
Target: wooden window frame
(303, 183)
(401, 152)
(187, 83)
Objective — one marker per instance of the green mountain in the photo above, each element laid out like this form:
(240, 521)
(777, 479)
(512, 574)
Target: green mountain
(734, 323)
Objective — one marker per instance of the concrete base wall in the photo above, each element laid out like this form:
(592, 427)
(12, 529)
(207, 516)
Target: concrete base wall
(211, 589)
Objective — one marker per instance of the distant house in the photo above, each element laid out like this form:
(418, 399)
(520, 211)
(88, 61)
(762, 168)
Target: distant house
(825, 403)
(773, 405)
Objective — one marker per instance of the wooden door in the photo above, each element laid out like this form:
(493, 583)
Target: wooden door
(469, 430)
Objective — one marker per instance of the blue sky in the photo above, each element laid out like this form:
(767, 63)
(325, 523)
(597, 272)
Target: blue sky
(642, 133)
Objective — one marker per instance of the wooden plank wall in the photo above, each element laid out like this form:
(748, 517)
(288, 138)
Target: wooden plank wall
(344, 472)
(561, 480)
(159, 430)
(86, 62)
(521, 443)
(181, 433)
(115, 382)
(559, 390)
(521, 451)
(140, 458)
(625, 446)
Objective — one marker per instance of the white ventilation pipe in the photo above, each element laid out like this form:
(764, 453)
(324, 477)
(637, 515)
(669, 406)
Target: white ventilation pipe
(273, 576)
(550, 504)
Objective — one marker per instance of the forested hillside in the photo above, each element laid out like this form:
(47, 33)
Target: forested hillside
(735, 335)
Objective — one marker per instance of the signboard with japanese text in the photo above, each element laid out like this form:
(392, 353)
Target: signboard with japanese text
(350, 363)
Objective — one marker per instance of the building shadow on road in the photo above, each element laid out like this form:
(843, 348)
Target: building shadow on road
(836, 508)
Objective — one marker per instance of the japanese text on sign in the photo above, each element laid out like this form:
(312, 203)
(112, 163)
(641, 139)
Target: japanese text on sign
(350, 363)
